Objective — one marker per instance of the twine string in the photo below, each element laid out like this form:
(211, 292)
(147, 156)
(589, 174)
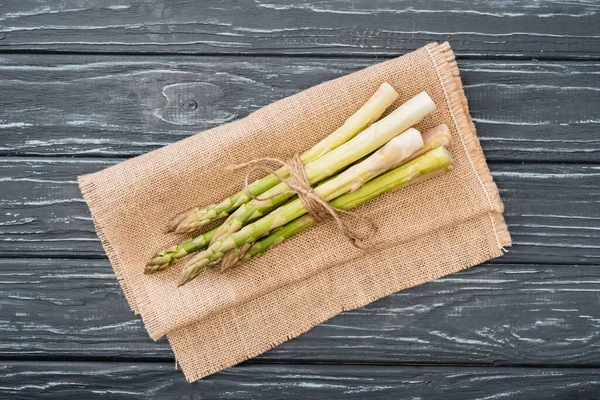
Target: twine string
(315, 205)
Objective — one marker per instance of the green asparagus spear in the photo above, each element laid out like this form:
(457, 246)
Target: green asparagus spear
(370, 112)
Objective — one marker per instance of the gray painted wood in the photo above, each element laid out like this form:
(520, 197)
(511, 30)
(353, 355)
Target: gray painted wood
(158, 380)
(526, 309)
(515, 28)
(119, 106)
(552, 209)
(491, 314)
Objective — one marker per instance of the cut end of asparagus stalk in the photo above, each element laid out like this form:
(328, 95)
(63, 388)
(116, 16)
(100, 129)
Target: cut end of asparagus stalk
(433, 138)
(404, 146)
(413, 111)
(436, 137)
(387, 91)
(419, 106)
(389, 156)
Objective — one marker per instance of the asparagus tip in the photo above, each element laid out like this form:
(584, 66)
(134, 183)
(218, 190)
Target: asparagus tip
(183, 279)
(187, 275)
(182, 228)
(158, 262)
(186, 226)
(171, 226)
(150, 269)
(152, 261)
(234, 257)
(175, 223)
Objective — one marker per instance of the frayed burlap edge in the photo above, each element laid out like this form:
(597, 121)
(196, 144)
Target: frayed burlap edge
(88, 190)
(444, 62)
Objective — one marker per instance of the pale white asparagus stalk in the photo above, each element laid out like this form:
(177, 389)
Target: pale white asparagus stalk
(388, 157)
(370, 112)
(369, 140)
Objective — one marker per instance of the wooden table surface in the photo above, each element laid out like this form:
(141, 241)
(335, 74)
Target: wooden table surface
(86, 84)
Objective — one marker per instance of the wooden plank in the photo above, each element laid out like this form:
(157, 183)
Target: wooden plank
(123, 106)
(552, 209)
(500, 314)
(514, 28)
(76, 380)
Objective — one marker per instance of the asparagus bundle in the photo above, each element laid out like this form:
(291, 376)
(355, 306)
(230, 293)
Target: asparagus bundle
(433, 138)
(369, 140)
(279, 213)
(370, 112)
(387, 157)
(426, 166)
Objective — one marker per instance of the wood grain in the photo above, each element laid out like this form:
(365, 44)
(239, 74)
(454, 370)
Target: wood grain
(491, 314)
(43, 214)
(72, 380)
(515, 28)
(116, 106)
(110, 79)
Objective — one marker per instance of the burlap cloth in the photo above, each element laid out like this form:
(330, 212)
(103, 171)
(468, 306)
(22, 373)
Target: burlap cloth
(428, 230)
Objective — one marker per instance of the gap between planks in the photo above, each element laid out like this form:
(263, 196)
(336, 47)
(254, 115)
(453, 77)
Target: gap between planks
(321, 56)
(254, 361)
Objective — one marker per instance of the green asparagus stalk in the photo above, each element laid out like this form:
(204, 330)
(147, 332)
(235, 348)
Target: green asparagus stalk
(369, 140)
(435, 137)
(279, 235)
(384, 159)
(370, 112)
(431, 164)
